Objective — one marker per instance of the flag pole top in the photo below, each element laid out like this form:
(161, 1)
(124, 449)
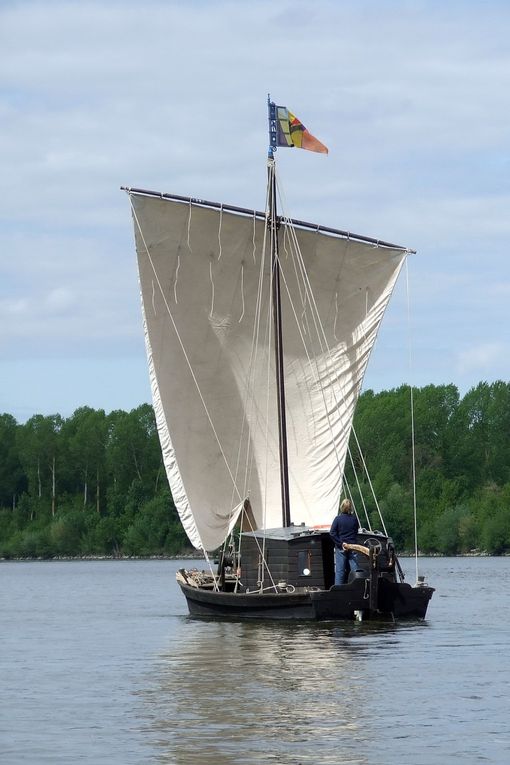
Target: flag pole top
(271, 116)
(286, 130)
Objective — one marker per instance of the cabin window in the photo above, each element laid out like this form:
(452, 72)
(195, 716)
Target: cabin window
(304, 562)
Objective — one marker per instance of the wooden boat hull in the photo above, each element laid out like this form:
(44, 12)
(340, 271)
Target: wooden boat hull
(345, 602)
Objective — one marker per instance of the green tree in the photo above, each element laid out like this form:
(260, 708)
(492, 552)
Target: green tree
(156, 529)
(37, 443)
(133, 449)
(397, 511)
(12, 479)
(86, 437)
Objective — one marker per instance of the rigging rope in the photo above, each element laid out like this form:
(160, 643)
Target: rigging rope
(319, 330)
(189, 222)
(188, 362)
(312, 335)
(219, 232)
(321, 335)
(249, 398)
(413, 440)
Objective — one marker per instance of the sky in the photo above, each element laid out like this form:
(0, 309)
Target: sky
(412, 99)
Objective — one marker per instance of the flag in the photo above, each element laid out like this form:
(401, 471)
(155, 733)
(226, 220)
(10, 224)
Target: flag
(291, 132)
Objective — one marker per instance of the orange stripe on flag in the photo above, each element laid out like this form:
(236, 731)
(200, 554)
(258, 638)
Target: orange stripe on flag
(302, 138)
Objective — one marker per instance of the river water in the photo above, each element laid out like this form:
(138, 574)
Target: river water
(99, 663)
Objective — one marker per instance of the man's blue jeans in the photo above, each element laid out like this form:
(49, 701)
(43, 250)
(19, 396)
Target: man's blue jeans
(345, 561)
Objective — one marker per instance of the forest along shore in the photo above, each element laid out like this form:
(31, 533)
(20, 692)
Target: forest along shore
(93, 485)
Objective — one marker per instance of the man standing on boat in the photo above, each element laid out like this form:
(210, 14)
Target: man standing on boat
(344, 529)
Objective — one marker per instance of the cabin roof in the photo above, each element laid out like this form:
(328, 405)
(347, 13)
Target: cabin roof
(293, 532)
(290, 532)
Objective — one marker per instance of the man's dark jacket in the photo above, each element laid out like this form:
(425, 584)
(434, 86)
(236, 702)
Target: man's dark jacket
(344, 529)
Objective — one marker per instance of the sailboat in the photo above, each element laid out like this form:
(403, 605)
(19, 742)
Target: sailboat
(258, 331)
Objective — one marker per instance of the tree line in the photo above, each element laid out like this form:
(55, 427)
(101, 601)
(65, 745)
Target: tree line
(462, 466)
(94, 483)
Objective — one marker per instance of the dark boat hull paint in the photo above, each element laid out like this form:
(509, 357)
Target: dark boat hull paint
(398, 600)
(404, 600)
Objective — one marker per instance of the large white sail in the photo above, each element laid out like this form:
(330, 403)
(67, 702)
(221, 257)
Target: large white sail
(206, 282)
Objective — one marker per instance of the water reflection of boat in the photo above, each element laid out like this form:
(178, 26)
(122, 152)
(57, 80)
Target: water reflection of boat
(273, 699)
(284, 692)
(258, 332)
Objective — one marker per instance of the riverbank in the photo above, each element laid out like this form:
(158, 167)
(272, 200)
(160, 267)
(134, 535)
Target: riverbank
(190, 555)
(182, 556)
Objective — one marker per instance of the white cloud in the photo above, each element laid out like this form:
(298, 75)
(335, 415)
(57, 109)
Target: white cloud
(59, 300)
(480, 358)
(13, 307)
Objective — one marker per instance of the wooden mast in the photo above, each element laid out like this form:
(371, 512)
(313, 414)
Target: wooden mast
(273, 224)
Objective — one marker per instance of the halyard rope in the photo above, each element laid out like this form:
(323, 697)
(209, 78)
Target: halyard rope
(413, 440)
